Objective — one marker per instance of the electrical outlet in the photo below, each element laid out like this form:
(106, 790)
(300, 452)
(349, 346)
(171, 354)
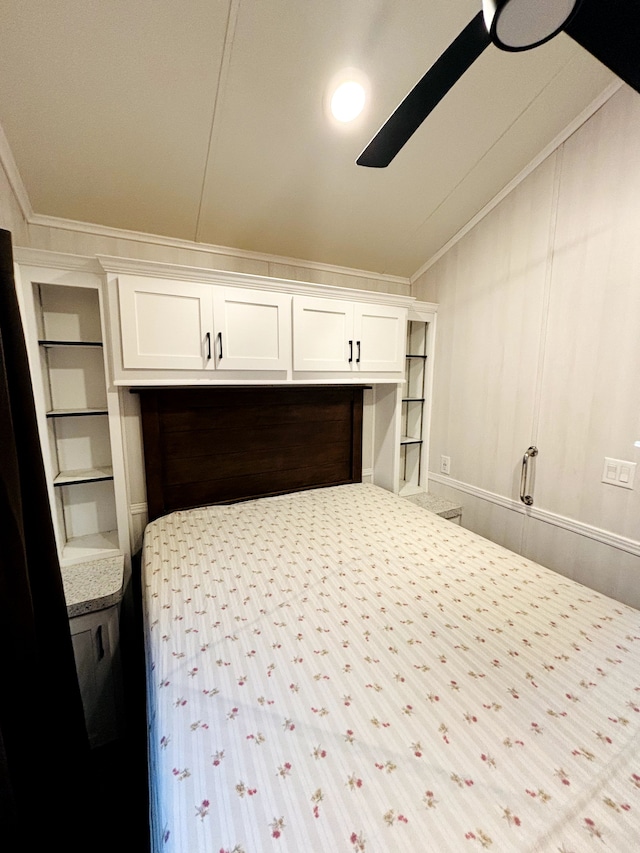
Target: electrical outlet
(618, 472)
(445, 464)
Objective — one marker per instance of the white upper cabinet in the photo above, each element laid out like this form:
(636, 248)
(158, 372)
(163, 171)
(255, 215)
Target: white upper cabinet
(181, 325)
(252, 329)
(165, 324)
(335, 335)
(322, 334)
(188, 325)
(380, 332)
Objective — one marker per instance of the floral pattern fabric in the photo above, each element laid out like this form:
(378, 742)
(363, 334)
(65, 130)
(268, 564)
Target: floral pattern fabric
(340, 670)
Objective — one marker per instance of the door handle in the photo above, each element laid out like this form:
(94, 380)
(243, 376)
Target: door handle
(529, 454)
(350, 351)
(358, 356)
(99, 643)
(220, 346)
(207, 338)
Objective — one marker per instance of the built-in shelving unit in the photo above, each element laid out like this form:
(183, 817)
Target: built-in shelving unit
(78, 413)
(416, 403)
(64, 320)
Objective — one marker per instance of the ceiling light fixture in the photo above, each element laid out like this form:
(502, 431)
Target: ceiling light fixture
(347, 101)
(346, 98)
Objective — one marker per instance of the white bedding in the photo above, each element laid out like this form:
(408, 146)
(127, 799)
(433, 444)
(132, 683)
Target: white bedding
(340, 670)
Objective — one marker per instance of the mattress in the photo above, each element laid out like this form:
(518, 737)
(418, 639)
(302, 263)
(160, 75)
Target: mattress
(340, 670)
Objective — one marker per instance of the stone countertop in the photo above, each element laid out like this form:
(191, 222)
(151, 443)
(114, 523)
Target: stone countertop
(93, 585)
(442, 507)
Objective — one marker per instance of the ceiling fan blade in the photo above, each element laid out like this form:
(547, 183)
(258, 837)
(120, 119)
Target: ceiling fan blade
(610, 31)
(421, 100)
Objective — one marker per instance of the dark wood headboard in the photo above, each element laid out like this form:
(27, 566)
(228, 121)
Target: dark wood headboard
(218, 445)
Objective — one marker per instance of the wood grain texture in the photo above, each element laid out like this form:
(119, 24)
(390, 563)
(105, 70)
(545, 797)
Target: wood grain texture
(217, 445)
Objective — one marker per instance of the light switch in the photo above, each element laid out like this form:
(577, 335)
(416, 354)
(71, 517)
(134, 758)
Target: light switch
(619, 472)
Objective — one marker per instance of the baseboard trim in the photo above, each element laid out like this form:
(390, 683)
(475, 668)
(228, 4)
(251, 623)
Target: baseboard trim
(605, 537)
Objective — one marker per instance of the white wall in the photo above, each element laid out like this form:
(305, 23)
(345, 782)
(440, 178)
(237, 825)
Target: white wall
(538, 343)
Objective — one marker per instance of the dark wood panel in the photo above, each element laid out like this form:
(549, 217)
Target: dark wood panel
(267, 460)
(254, 486)
(217, 442)
(225, 416)
(189, 398)
(213, 445)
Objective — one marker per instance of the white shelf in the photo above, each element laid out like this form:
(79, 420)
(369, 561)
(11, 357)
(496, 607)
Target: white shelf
(76, 413)
(84, 475)
(50, 344)
(408, 439)
(83, 548)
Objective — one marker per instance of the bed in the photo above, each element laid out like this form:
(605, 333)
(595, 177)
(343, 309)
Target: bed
(337, 669)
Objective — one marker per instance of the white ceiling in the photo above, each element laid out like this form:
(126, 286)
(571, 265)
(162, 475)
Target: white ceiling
(204, 120)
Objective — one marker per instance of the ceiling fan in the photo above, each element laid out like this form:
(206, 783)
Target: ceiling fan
(608, 29)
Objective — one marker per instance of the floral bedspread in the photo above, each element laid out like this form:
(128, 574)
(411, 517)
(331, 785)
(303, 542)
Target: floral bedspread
(340, 670)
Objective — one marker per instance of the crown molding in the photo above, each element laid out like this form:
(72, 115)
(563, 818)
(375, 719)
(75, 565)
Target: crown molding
(76, 226)
(101, 264)
(181, 272)
(46, 258)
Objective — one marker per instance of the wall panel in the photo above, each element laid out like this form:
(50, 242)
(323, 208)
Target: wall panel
(590, 396)
(538, 343)
(610, 570)
(490, 288)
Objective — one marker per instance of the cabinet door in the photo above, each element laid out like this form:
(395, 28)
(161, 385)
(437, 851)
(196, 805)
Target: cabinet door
(252, 329)
(322, 334)
(94, 637)
(165, 324)
(379, 333)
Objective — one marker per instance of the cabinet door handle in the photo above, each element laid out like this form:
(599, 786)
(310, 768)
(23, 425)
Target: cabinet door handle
(524, 497)
(220, 346)
(358, 357)
(207, 338)
(350, 351)
(99, 642)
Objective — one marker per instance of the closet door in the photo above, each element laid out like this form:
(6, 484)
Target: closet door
(165, 324)
(492, 290)
(589, 397)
